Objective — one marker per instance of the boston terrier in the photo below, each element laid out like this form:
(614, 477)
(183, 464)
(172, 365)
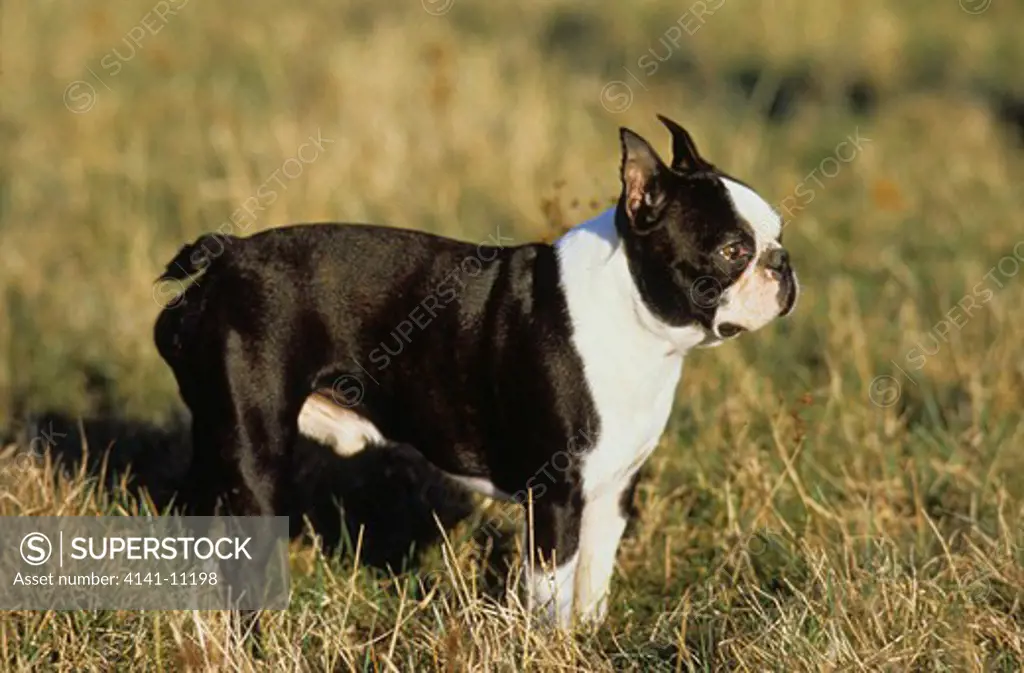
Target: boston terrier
(499, 363)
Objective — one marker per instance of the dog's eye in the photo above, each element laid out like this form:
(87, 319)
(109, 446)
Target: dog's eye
(735, 252)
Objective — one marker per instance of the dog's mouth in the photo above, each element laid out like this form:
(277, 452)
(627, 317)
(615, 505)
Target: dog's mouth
(789, 289)
(728, 330)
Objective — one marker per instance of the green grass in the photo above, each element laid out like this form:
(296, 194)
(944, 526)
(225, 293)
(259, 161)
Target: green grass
(788, 522)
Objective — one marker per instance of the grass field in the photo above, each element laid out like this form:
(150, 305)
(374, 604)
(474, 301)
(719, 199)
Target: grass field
(842, 491)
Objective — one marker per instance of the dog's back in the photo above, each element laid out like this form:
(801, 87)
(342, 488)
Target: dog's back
(335, 293)
(353, 258)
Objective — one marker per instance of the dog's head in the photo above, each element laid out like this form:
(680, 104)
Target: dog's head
(704, 250)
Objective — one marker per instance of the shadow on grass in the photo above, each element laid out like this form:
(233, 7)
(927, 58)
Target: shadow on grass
(392, 492)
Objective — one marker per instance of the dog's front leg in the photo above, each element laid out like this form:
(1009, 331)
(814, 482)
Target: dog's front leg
(603, 522)
(551, 553)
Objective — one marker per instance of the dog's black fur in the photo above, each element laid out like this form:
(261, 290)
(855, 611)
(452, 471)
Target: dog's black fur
(285, 313)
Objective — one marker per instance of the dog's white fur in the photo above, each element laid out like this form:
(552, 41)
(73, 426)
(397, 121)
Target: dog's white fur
(752, 301)
(632, 364)
(333, 425)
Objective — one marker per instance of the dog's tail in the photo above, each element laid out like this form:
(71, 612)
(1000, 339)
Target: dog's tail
(183, 289)
(196, 257)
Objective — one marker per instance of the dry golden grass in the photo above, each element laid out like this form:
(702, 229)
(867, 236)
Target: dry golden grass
(788, 522)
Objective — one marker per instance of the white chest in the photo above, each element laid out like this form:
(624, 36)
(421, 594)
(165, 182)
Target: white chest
(632, 365)
(633, 412)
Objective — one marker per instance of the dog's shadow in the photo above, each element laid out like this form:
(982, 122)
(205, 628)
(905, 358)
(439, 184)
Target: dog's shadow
(386, 497)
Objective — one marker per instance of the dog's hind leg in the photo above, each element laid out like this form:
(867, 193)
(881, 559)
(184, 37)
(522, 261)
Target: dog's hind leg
(251, 426)
(244, 431)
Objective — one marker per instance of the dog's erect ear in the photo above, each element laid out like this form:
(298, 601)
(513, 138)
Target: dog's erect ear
(685, 156)
(641, 184)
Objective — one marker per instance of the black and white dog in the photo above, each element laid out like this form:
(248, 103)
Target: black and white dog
(559, 358)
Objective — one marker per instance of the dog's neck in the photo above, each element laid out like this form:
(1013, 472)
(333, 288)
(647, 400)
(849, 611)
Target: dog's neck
(604, 301)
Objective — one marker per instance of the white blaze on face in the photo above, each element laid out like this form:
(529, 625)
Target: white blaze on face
(753, 300)
(759, 213)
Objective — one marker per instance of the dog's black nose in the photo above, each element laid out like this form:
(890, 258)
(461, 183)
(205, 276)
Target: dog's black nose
(777, 260)
(727, 330)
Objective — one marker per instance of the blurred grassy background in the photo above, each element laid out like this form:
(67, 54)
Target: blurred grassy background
(127, 130)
